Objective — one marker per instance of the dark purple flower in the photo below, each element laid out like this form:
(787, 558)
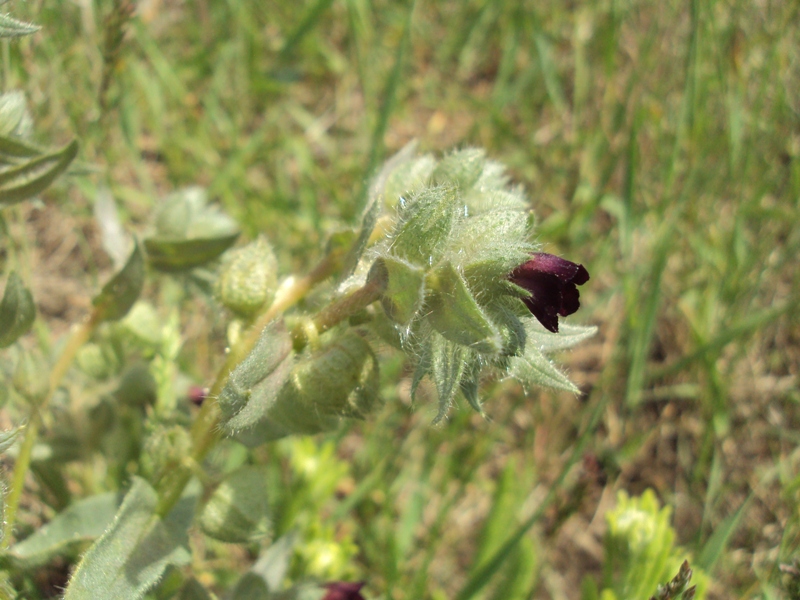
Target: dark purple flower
(551, 281)
(342, 590)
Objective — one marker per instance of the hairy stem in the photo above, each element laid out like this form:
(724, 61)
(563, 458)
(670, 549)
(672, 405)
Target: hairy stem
(205, 429)
(23, 463)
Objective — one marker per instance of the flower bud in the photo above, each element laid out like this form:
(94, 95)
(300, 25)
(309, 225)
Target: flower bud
(249, 278)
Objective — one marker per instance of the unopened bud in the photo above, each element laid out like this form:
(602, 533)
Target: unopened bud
(249, 278)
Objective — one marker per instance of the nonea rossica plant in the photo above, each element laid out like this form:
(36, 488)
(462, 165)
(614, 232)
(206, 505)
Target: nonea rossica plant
(444, 268)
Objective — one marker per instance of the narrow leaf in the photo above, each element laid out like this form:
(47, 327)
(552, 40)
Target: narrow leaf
(174, 255)
(15, 148)
(17, 311)
(121, 292)
(132, 555)
(12, 28)
(30, 178)
(7, 438)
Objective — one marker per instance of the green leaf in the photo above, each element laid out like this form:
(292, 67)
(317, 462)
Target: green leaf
(426, 223)
(189, 232)
(172, 256)
(273, 564)
(250, 587)
(254, 384)
(238, 510)
(356, 251)
(447, 367)
(12, 28)
(14, 149)
(404, 290)
(454, 312)
(121, 292)
(17, 311)
(80, 523)
(132, 555)
(22, 181)
(193, 590)
(7, 438)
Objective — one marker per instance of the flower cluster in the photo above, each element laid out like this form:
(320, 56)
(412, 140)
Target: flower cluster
(462, 276)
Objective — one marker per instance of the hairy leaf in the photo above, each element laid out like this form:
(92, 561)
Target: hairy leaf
(25, 180)
(17, 311)
(82, 522)
(132, 555)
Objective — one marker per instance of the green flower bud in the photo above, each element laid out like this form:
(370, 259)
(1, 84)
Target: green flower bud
(96, 361)
(164, 450)
(249, 278)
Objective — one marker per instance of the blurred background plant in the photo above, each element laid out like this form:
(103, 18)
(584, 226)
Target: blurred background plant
(660, 147)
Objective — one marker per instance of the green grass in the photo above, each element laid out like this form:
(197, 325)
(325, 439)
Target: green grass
(659, 143)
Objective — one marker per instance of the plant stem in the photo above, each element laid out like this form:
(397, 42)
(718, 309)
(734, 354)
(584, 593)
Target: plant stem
(23, 463)
(205, 429)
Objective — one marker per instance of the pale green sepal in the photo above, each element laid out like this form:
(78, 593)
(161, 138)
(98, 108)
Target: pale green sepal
(453, 312)
(461, 168)
(423, 367)
(133, 553)
(17, 310)
(448, 361)
(535, 369)
(238, 510)
(567, 336)
(426, 222)
(77, 525)
(469, 384)
(404, 290)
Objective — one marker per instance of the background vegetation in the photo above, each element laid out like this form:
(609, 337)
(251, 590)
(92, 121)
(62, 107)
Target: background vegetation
(659, 143)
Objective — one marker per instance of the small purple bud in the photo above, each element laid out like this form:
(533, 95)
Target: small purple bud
(551, 280)
(342, 590)
(197, 394)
